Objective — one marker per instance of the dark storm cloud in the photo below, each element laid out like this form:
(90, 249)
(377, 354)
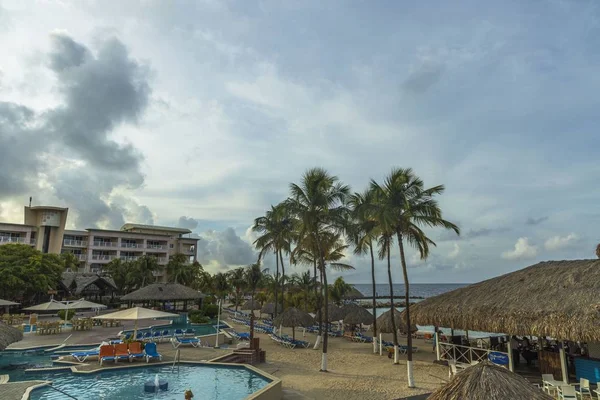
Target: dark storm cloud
(100, 91)
(427, 75)
(535, 221)
(187, 222)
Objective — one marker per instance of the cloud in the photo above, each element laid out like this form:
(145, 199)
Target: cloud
(470, 234)
(455, 252)
(535, 221)
(187, 222)
(225, 249)
(523, 250)
(562, 242)
(423, 77)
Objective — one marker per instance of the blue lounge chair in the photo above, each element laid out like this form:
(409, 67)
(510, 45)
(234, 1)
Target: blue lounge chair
(148, 336)
(190, 332)
(81, 356)
(139, 336)
(156, 336)
(178, 341)
(135, 350)
(178, 332)
(150, 352)
(166, 334)
(107, 353)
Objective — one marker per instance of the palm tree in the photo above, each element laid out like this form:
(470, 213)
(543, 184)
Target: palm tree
(70, 261)
(407, 208)
(220, 285)
(254, 276)
(385, 249)
(237, 280)
(180, 270)
(143, 270)
(598, 251)
(363, 231)
(276, 229)
(119, 272)
(319, 205)
(305, 284)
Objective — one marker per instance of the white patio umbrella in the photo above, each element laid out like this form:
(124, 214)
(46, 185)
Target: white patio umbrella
(81, 304)
(136, 314)
(7, 303)
(51, 305)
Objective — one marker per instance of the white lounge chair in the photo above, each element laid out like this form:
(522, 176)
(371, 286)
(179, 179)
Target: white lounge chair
(549, 384)
(567, 392)
(4, 379)
(584, 388)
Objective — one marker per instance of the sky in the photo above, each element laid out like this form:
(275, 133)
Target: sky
(199, 114)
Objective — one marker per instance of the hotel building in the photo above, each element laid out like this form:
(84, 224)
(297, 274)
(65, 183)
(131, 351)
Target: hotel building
(44, 229)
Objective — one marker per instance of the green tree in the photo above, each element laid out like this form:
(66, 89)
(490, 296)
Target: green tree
(318, 203)
(120, 274)
(305, 283)
(237, 280)
(180, 270)
(363, 231)
(70, 261)
(254, 277)
(143, 270)
(220, 285)
(406, 208)
(339, 289)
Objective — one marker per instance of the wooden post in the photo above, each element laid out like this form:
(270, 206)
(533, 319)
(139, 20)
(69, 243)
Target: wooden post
(563, 364)
(511, 365)
(436, 337)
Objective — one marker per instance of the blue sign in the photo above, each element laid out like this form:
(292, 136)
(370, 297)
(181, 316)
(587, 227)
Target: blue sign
(498, 358)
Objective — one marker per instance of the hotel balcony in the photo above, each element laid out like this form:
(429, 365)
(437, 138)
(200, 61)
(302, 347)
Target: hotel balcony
(74, 243)
(105, 244)
(32, 242)
(156, 246)
(129, 258)
(103, 257)
(11, 239)
(81, 257)
(132, 245)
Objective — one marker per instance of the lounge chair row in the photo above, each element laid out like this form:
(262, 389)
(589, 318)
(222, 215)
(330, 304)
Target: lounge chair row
(240, 335)
(177, 341)
(158, 336)
(123, 351)
(389, 347)
(288, 342)
(359, 337)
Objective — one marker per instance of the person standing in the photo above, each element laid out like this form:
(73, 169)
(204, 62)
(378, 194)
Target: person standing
(514, 347)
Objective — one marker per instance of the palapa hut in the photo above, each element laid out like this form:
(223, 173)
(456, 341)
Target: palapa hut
(356, 315)
(559, 299)
(334, 313)
(164, 292)
(486, 381)
(251, 305)
(8, 335)
(269, 308)
(384, 322)
(291, 318)
(87, 285)
(353, 294)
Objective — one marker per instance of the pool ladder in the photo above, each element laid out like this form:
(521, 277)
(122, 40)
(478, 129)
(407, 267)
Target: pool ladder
(60, 391)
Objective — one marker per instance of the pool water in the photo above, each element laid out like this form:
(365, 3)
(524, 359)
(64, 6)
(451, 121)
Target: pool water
(15, 363)
(206, 382)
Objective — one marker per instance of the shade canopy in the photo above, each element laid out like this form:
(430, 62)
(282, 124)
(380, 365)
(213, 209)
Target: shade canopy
(553, 298)
(8, 335)
(355, 314)
(269, 308)
(334, 313)
(353, 293)
(251, 305)
(51, 305)
(486, 381)
(292, 317)
(136, 314)
(7, 303)
(163, 292)
(84, 304)
(384, 322)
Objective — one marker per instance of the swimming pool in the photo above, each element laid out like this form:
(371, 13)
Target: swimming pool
(206, 382)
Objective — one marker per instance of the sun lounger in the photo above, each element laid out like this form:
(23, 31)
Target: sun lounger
(150, 352)
(148, 337)
(81, 356)
(139, 336)
(135, 350)
(178, 332)
(4, 379)
(166, 334)
(122, 352)
(106, 353)
(178, 341)
(189, 332)
(156, 336)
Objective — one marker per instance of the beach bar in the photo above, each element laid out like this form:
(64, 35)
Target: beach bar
(555, 305)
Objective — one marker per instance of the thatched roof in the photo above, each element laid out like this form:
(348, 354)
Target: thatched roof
(334, 313)
(354, 293)
(355, 314)
(293, 317)
(163, 292)
(384, 322)
(77, 282)
(249, 305)
(269, 308)
(486, 381)
(560, 299)
(8, 335)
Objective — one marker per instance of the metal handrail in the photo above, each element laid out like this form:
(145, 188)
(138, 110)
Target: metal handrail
(60, 391)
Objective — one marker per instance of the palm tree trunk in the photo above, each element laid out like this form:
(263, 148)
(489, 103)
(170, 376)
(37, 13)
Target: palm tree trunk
(318, 295)
(392, 310)
(282, 283)
(276, 281)
(325, 306)
(411, 381)
(374, 300)
(252, 319)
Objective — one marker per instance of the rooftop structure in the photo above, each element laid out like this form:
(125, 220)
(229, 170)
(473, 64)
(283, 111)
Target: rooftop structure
(44, 229)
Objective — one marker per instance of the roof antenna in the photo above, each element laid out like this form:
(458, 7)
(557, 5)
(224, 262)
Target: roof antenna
(30, 198)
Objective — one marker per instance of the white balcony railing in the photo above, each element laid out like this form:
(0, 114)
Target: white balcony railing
(161, 260)
(76, 243)
(12, 239)
(105, 244)
(103, 257)
(32, 242)
(132, 245)
(156, 246)
(81, 257)
(129, 258)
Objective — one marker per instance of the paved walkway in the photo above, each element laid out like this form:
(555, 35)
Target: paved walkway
(16, 390)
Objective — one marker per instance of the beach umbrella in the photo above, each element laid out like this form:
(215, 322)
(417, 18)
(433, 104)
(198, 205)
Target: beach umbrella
(7, 303)
(356, 315)
(490, 382)
(51, 305)
(292, 317)
(82, 304)
(136, 314)
(384, 322)
(269, 308)
(353, 294)
(334, 313)
(8, 335)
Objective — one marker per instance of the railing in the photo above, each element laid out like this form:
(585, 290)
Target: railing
(156, 246)
(132, 245)
(162, 259)
(81, 257)
(71, 242)
(464, 354)
(12, 239)
(103, 257)
(129, 258)
(32, 242)
(105, 244)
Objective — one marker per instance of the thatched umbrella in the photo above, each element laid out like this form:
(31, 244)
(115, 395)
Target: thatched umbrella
(384, 322)
(292, 317)
(251, 305)
(356, 315)
(486, 381)
(269, 308)
(553, 298)
(353, 294)
(334, 313)
(163, 292)
(8, 335)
